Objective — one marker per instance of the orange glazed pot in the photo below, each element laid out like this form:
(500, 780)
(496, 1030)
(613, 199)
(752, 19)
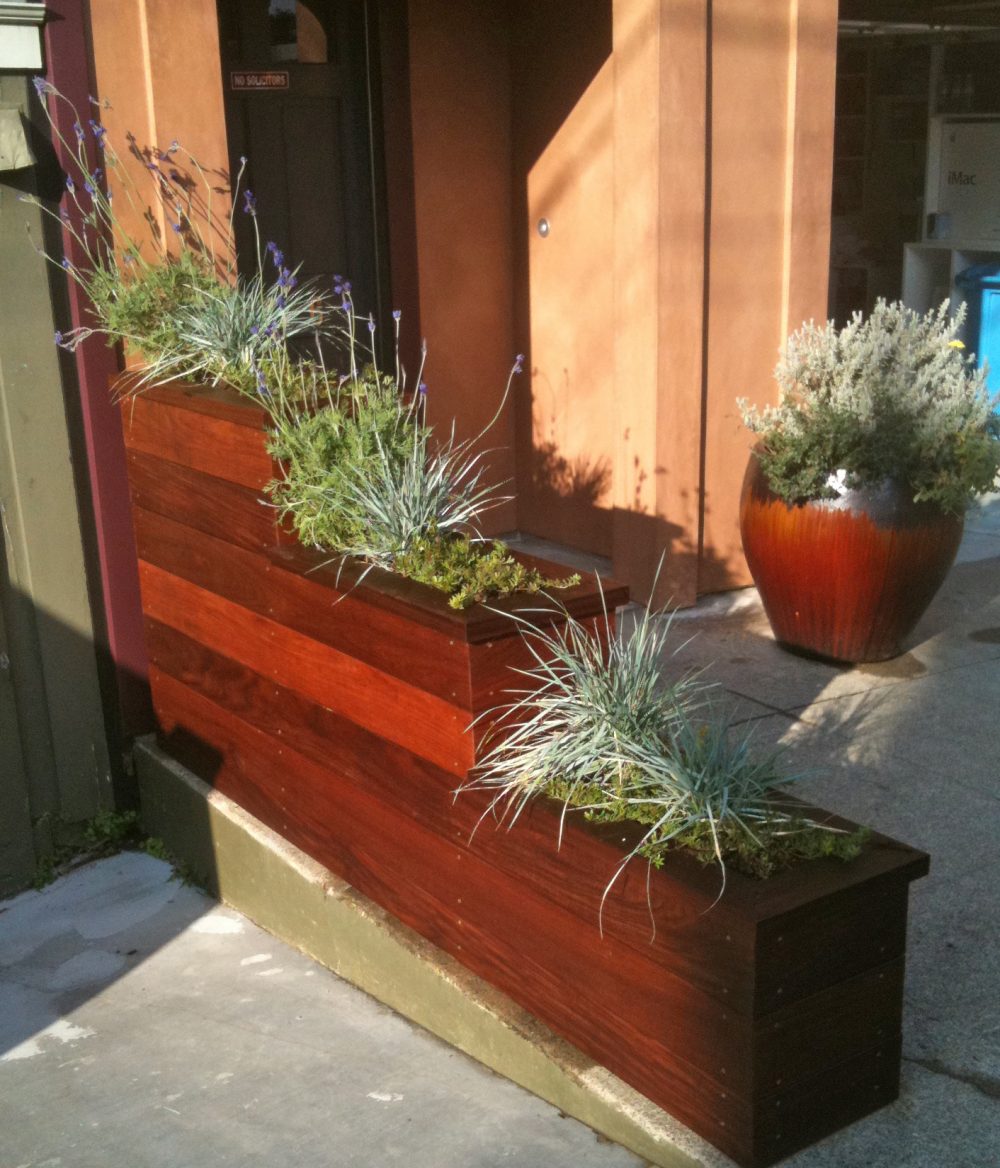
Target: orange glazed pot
(845, 578)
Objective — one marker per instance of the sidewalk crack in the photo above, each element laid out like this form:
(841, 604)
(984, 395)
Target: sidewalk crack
(984, 1084)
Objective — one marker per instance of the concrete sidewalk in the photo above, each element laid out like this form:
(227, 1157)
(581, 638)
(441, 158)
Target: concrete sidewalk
(142, 1025)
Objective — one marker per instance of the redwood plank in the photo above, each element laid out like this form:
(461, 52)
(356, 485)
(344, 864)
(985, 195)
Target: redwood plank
(719, 961)
(210, 505)
(215, 401)
(214, 445)
(429, 726)
(429, 606)
(423, 658)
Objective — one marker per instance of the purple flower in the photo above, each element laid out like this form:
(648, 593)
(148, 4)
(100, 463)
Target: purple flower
(70, 185)
(396, 315)
(173, 147)
(371, 325)
(89, 187)
(66, 264)
(78, 130)
(64, 215)
(42, 86)
(59, 338)
(98, 131)
(422, 389)
(177, 227)
(519, 363)
(249, 203)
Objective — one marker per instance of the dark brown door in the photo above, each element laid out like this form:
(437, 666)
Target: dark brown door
(300, 108)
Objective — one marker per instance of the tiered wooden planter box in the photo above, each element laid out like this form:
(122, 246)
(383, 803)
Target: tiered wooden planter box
(338, 714)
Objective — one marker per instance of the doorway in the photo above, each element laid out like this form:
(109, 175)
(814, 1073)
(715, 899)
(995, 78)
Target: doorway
(300, 83)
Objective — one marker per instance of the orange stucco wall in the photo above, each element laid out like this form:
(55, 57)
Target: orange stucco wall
(685, 176)
(562, 98)
(681, 151)
(157, 64)
(773, 74)
(460, 105)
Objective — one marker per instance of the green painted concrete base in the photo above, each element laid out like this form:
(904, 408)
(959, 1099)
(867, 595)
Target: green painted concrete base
(280, 888)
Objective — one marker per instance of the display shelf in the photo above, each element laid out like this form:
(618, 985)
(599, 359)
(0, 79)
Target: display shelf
(930, 268)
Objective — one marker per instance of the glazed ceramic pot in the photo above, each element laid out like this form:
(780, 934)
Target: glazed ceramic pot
(845, 578)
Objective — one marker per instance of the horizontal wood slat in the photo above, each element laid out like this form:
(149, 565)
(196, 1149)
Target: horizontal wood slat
(215, 446)
(718, 961)
(212, 506)
(424, 659)
(827, 1028)
(427, 725)
(213, 401)
(423, 604)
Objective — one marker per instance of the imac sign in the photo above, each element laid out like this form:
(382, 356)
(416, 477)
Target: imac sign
(969, 181)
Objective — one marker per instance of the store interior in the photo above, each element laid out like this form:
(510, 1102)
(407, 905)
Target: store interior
(916, 180)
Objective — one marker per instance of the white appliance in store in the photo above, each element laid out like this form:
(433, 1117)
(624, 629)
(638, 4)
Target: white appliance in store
(968, 194)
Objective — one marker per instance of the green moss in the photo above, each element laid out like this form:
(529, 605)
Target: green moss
(471, 570)
(763, 849)
(758, 849)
